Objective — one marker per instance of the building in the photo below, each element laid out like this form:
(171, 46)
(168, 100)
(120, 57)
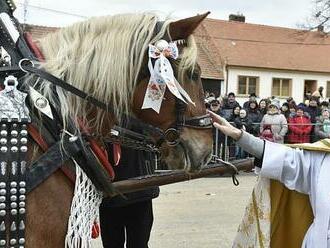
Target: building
(271, 61)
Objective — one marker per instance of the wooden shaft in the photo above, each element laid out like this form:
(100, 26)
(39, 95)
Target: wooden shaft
(140, 183)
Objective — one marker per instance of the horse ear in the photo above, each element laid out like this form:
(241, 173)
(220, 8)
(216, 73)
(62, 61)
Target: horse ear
(181, 29)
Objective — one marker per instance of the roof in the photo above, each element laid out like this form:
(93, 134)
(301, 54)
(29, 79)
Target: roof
(253, 45)
(208, 58)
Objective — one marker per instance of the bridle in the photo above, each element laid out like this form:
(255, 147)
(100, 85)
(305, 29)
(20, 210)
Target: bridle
(173, 133)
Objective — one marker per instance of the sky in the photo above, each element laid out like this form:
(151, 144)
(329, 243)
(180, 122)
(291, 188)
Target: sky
(284, 13)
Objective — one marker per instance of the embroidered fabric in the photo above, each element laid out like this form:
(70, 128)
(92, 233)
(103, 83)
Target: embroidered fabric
(254, 230)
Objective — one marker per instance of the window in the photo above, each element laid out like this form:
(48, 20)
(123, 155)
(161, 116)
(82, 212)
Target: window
(248, 85)
(328, 89)
(281, 87)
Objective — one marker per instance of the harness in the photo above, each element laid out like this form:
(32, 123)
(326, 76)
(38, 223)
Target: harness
(17, 176)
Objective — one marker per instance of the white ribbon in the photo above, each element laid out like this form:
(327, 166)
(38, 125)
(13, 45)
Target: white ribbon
(162, 76)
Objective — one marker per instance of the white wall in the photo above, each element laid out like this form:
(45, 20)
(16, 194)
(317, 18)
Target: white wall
(266, 77)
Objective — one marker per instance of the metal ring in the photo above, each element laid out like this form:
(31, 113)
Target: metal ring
(174, 140)
(20, 64)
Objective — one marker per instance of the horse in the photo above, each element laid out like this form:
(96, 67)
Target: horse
(106, 57)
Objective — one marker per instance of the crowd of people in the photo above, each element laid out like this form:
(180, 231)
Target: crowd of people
(289, 122)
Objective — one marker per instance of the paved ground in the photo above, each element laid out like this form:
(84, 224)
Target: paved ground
(202, 213)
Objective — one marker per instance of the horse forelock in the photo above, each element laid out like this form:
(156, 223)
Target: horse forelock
(103, 56)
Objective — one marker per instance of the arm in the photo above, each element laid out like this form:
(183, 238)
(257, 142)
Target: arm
(284, 125)
(289, 166)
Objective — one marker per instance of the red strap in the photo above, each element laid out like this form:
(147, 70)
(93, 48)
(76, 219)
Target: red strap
(99, 151)
(37, 137)
(102, 155)
(44, 146)
(35, 49)
(116, 153)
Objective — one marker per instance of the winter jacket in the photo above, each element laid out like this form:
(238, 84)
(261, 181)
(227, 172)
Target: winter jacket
(243, 123)
(313, 112)
(300, 129)
(255, 118)
(227, 109)
(322, 128)
(279, 126)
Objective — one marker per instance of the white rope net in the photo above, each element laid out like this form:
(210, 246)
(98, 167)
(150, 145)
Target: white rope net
(84, 211)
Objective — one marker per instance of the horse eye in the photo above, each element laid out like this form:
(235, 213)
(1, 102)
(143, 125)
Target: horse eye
(194, 75)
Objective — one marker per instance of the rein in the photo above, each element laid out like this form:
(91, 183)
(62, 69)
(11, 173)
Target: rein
(171, 135)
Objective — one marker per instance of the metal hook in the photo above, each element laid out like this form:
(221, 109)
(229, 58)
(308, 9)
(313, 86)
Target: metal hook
(20, 64)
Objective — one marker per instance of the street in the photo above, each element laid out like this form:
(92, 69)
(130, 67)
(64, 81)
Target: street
(202, 213)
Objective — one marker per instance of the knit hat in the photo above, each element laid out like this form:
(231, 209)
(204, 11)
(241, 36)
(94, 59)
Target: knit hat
(275, 102)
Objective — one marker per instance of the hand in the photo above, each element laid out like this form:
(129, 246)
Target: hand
(277, 136)
(224, 126)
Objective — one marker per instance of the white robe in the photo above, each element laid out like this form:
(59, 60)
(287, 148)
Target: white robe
(307, 172)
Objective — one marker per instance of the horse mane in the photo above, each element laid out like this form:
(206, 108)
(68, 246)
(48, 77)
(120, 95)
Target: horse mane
(103, 57)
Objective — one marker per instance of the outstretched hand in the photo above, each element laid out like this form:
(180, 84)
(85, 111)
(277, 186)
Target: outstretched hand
(224, 126)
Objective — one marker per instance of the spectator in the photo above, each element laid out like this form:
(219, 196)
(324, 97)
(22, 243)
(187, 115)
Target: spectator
(263, 107)
(229, 105)
(254, 117)
(300, 127)
(285, 110)
(322, 128)
(277, 121)
(313, 109)
(319, 94)
(292, 108)
(242, 122)
(218, 137)
(235, 113)
(252, 97)
(324, 105)
(215, 105)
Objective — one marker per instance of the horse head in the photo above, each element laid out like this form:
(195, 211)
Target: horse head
(107, 58)
(190, 146)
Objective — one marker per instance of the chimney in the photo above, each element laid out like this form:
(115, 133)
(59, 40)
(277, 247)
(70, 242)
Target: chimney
(320, 28)
(237, 17)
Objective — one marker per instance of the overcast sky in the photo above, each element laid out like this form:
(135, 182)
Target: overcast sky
(285, 13)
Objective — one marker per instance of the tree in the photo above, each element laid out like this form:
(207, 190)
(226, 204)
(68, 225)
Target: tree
(320, 16)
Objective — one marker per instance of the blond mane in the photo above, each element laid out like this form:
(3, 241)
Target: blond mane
(102, 57)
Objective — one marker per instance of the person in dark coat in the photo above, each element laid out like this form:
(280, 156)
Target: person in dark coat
(285, 110)
(313, 109)
(252, 98)
(235, 113)
(254, 116)
(263, 106)
(229, 105)
(129, 218)
(242, 122)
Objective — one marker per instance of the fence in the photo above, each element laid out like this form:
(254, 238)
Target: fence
(225, 148)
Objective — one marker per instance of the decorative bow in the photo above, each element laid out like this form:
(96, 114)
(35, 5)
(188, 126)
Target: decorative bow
(162, 76)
